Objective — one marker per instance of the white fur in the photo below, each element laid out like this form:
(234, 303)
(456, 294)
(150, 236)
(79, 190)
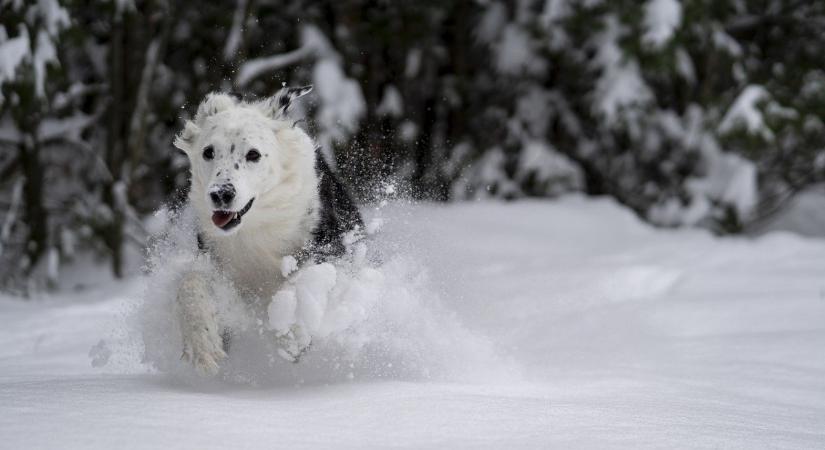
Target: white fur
(284, 186)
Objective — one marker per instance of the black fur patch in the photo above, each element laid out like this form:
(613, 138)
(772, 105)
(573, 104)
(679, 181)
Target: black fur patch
(336, 216)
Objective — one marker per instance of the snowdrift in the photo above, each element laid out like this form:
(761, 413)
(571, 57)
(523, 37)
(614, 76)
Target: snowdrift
(528, 325)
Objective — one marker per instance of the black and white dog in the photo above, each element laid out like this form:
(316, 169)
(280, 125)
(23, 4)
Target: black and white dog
(261, 191)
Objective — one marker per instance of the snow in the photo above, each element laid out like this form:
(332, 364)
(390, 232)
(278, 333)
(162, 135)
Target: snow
(54, 17)
(546, 324)
(342, 102)
(52, 264)
(662, 19)
(729, 180)
(488, 174)
(620, 85)
(744, 112)
(392, 103)
(313, 44)
(18, 50)
(491, 23)
(69, 127)
(255, 67)
(407, 131)
(685, 67)
(413, 63)
(340, 308)
(726, 42)
(803, 214)
(288, 265)
(313, 286)
(555, 10)
(43, 55)
(233, 40)
(13, 52)
(724, 182)
(548, 166)
(514, 53)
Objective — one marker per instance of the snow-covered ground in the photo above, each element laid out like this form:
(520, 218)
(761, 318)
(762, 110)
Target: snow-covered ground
(566, 323)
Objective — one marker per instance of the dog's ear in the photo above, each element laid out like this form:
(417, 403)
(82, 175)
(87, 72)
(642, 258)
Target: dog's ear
(277, 106)
(186, 138)
(213, 103)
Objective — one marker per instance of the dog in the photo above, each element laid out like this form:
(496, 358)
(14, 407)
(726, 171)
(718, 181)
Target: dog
(261, 191)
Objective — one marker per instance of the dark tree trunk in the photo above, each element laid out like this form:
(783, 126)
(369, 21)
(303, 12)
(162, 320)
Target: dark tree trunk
(28, 118)
(35, 213)
(115, 145)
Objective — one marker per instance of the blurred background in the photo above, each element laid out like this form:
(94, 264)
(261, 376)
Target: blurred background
(703, 113)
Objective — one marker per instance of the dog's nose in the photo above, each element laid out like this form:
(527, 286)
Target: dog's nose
(222, 195)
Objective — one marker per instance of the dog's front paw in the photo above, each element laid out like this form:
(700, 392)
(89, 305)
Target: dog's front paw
(204, 349)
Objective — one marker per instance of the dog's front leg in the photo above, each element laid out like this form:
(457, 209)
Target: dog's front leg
(202, 342)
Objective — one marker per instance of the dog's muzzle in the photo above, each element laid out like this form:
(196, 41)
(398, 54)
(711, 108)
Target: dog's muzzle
(227, 220)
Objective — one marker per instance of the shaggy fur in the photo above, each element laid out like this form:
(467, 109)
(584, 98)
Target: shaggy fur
(250, 163)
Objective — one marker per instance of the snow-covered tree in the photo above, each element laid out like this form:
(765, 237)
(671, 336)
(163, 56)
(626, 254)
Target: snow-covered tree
(29, 36)
(691, 113)
(674, 108)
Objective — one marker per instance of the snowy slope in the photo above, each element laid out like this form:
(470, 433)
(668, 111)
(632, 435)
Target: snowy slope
(585, 328)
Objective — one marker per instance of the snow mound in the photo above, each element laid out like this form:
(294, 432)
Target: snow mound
(353, 318)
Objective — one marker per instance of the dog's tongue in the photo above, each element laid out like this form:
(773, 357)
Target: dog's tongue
(221, 218)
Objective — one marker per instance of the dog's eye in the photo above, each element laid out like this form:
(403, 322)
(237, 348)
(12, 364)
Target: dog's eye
(208, 153)
(253, 155)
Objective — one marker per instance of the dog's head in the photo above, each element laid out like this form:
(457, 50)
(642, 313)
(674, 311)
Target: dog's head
(240, 151)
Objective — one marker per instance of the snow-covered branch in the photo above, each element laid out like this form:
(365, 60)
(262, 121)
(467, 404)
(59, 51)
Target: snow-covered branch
(233, 41)
(256, 67)
(314, 45)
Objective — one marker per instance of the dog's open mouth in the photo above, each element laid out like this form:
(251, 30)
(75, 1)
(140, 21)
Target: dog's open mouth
(227, 220)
